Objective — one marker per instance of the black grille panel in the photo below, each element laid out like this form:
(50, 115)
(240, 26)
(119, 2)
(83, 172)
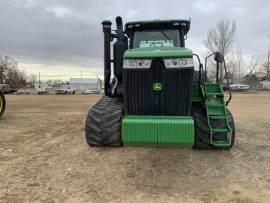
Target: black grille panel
(173, 99)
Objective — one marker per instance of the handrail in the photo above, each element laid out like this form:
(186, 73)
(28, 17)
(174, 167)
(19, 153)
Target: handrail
(228, 84)
(200, 68)
(226, 75)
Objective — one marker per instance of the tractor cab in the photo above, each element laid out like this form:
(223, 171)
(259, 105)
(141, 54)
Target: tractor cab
(157, 33)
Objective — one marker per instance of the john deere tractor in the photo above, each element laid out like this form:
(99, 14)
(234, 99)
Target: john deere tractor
(2, 104)
(155, 97)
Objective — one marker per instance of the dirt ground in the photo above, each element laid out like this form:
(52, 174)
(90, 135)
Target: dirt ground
(44, 158)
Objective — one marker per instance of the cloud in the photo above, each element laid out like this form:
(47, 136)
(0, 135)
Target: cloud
(131, 13)
(60, 12)
(205, 7)
(68, 33)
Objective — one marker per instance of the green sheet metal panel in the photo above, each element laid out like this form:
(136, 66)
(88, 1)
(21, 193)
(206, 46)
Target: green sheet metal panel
(196, 94)
(158, 52)
(158, 131)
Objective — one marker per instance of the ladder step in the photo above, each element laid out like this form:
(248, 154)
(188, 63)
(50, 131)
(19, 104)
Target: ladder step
(220, 130)
(215, 111)
(217, 117)
(215, 105)
(221, 143)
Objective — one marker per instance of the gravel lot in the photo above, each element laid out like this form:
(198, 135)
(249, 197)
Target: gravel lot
(44, 158)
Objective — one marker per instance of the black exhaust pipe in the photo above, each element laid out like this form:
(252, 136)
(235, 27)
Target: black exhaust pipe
(119, 26)
(107, 56)
(119, 47)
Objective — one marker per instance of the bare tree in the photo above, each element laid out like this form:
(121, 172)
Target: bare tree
(221, 37)
(240, 63)
(266, 66)
(236, 64)
(253, 64)
(10, 74)
(251, 68)
(31, 79)
(6, 63)
(232, 65)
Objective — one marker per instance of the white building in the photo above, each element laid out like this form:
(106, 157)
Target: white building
(82, 84)
(266, 84)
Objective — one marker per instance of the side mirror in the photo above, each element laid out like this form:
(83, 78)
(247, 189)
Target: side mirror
(219, 57)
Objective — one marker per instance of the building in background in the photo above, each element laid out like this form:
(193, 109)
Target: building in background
(83, 84)
(266, 84)
(43, 88)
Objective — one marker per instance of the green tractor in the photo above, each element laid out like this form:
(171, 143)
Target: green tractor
(2, 104)
(156, 98)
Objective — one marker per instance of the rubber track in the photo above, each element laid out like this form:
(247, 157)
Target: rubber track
(2, 97)
(202, 131)
(103, 123)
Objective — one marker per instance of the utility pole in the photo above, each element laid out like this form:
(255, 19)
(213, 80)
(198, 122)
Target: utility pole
(268, 65)
(39, 77)
(20, 79)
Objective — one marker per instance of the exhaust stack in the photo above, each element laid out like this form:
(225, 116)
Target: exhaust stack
(107, 56)
(119, 47)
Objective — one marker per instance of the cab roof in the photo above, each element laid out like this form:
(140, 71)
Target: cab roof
(158, 24)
